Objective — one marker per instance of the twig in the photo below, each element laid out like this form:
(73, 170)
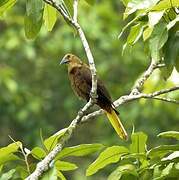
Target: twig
(44, 164)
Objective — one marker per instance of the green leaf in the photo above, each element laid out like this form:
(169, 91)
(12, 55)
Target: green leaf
(8, 175)
(157, 40)
(169, 134)
(50, 16)
(6, 5)
(69, 5)
(61, 176)
(123, 170)
(91, 2)
(65, 166)
(166, 71)
(108, 156)
(160, 151)
(172, 156)
(165, 4)
(173, 22)
(38, 153)
(80, 150)
(147, 33)
(138, 144)
(7, 158)
(134, 5)
(166, 171)
(135, 33)
(50, 174)
(51, 142)
(33, 18)
(11, 148)
(154, 17)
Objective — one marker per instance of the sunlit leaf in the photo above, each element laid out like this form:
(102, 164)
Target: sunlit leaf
(108, 156)
(38, 153)
(8, 175)
(138, 144)
(169, 134)
(50, 174)
(162, 150)
(135, 33)
(53, 140)
(154, 17)
(65, 166)
(50, 16)
(5, 5)
(147, 33)
(123, 170)
(172, 156)
(166, 4)
(80, 150)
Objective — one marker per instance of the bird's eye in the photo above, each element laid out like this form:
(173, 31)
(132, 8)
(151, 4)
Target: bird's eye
(68, 56)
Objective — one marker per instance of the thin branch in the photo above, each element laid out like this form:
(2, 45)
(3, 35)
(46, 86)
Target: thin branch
(44, 164)
(75, 12)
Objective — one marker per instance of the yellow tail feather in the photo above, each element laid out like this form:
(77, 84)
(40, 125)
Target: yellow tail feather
(117, 125)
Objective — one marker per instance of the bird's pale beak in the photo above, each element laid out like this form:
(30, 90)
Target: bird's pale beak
(64, 60)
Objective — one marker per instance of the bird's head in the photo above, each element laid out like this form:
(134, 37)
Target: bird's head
(70, 59)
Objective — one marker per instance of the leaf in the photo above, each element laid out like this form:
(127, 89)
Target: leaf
(6, 5)
(165, 4)
(61, 176)
(135, 33)
(160, 151)
(91, 2)
(33, 18)
(173, 22)
(38, 153)
(80, 150)
(154, 17)
(51, 174)
(166, 71)
(108, 156)
(8, 157)
(51, 142)
(121, 170)
(147, 33)
(166, 171)
(157, 40)
(134, 5)
(169, 134)
(65, 166)
(11, 148)
(172, 156)
(8, 175)
(138, 144)
(49, 16)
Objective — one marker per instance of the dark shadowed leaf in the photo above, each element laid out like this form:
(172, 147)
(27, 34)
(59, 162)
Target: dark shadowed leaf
(33, 18)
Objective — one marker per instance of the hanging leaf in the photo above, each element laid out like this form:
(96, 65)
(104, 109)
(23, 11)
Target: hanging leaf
(147, 33)
(50, 16)
(154, 17)
(157, 40)
(33, 18)
(135, 33)
(108, 156)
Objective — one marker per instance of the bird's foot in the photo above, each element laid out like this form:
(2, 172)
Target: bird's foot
(93, 96)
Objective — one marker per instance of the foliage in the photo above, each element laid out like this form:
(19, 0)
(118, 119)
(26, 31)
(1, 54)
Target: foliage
(34, 95)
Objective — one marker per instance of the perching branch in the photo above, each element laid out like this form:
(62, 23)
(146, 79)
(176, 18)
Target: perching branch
(81, 116)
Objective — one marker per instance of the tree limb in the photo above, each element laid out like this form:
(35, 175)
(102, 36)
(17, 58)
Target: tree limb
(81, 117)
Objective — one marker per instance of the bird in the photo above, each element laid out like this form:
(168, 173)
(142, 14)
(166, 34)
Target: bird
(81, 82)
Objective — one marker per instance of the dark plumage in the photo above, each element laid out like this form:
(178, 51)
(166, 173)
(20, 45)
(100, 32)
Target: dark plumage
(81, 81)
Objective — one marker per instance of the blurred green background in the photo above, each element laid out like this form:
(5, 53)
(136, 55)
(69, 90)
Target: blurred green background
(35, 92)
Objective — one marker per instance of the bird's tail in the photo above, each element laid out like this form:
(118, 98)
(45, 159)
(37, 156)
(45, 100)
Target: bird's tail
(116, 123)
